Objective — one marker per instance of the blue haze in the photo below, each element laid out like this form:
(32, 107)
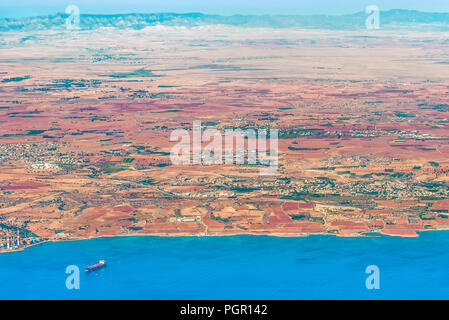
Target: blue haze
(24, 8)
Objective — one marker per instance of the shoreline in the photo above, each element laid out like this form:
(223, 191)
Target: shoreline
(164, 235)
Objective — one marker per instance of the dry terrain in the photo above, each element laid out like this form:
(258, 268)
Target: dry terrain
(86, 117)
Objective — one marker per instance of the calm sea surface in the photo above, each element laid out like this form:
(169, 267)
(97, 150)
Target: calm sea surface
(239, 267)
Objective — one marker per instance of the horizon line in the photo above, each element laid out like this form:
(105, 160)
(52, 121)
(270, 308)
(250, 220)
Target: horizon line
(222, 15)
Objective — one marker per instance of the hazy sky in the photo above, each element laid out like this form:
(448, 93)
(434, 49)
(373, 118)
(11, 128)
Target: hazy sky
(17, 8)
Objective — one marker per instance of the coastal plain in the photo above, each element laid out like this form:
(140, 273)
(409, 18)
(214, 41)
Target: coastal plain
(86, 118)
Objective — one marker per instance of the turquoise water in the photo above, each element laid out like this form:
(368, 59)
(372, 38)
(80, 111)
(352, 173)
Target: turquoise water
(240, 267)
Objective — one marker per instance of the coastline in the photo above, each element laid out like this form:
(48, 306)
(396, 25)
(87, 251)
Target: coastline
(165, 235)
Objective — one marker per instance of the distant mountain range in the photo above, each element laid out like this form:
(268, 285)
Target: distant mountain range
(393, 19)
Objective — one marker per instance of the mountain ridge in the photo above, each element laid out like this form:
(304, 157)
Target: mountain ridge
(392, 19)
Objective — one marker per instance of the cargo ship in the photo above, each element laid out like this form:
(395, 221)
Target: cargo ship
(100, 265)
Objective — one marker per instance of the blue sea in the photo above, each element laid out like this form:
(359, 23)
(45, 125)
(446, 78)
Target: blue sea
(237, 267)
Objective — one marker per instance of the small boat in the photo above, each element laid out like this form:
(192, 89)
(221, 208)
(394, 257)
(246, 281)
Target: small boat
(100, 265)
